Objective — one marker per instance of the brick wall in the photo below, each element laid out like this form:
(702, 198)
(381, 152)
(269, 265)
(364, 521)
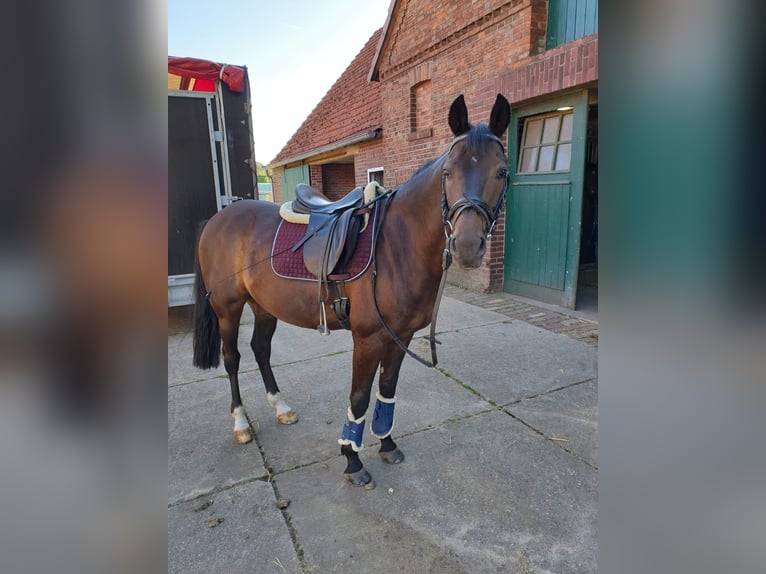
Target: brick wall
(444, 49)
(276, 180)
(479, 41)
(370, 156)
(564, 67)
(477, 49)
(315, 177)
(472, 43)
(337, 179)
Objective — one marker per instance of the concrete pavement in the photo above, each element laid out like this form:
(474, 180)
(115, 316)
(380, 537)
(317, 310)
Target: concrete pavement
(500, 440)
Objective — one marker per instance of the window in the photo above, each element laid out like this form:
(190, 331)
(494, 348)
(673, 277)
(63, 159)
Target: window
(569, 20)
(546, 143)
(375, 174)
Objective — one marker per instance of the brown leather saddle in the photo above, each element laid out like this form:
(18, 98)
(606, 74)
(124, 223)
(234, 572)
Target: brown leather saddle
(330, 241)
(332, 231)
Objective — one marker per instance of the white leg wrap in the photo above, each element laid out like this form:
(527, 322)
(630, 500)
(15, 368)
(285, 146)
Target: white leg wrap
(240, 419)
(278, 404)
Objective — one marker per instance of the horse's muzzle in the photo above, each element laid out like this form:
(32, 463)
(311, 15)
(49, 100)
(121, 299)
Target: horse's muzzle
(468, 249)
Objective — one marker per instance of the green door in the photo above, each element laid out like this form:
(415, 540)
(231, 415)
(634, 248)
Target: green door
(542, 228)
(292, 177)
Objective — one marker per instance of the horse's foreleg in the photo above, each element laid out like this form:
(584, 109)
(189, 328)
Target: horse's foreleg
(385, 401)
(366, 360)
(229, 329)
(263, 331)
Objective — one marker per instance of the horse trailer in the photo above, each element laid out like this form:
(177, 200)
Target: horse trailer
(211, 161)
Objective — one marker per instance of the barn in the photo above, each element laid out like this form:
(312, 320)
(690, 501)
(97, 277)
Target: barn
(386, 115)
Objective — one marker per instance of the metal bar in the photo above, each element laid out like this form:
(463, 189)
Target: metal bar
(224, 140)
(187, 94)
(213, 154)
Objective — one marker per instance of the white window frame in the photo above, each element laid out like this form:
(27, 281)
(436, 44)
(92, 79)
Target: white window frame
(374, 170)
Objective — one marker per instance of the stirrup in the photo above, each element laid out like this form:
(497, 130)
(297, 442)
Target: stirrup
(322, 328)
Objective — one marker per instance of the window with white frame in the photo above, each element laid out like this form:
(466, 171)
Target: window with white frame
(375, 174)
(546, 145)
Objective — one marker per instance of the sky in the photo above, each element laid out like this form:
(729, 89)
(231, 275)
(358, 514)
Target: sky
(294, 51)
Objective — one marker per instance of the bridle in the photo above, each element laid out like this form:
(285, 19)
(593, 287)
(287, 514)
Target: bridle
(489, 214)
(449, 216)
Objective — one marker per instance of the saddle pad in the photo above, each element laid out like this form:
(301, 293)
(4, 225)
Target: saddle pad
(289, 264)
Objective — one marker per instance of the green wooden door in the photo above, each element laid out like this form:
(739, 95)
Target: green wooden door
(542, 228)
(292, 177)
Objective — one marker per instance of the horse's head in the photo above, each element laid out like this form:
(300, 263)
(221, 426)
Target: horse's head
(474, 181)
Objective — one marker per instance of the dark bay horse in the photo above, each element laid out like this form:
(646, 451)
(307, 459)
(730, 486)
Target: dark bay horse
(458, 195)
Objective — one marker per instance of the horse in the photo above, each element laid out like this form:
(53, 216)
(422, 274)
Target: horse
(446, 210)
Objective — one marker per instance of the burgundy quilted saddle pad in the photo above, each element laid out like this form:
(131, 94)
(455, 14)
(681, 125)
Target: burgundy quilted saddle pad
(289, 264)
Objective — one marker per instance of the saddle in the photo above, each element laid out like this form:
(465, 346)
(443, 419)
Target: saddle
(332, 231)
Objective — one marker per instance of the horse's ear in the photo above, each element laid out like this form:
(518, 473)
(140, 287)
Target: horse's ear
(500, 116)
(458, 117)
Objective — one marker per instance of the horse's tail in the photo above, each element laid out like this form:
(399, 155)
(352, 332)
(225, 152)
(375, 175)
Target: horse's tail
(207, 339)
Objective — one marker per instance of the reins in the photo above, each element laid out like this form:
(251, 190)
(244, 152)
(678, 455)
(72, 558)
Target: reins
(490, 215)
(446, 262)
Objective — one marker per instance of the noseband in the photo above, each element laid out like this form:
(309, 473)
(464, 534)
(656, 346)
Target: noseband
(490, 215)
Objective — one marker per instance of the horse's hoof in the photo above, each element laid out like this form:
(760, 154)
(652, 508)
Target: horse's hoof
(392, 456)
(288, 418)
(360, 478)
(243, 436)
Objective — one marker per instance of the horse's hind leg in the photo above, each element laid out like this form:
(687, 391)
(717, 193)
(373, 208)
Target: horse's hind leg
(263, 331)
(229, 329)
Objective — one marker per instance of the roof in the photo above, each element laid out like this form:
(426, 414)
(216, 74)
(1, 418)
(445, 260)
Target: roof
(351, 107)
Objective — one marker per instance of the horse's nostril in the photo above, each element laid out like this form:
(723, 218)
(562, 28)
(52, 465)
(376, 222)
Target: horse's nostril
(482, 245)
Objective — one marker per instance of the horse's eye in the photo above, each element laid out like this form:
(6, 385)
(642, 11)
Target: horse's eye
(502, 173)
(445, 173)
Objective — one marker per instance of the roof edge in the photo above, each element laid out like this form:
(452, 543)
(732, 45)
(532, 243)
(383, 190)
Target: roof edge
(366, 135)
(373, 75)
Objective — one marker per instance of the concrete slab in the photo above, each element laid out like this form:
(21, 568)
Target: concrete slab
(318, 390)
(202, 453)
(289, 344)
(570, 414)
(512, 360)
(455, 315)
(478, 492)
(483, 494)
(180, 368)
(252, 537)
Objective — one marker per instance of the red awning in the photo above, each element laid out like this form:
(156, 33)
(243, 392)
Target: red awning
(233, 76)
